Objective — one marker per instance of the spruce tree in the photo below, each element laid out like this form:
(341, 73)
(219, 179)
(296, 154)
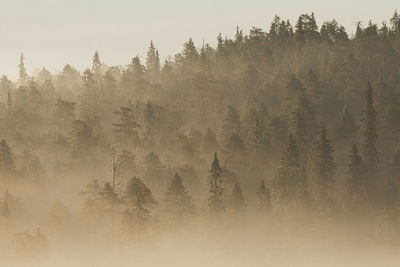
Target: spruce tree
(96, 64)
(109, 197)
(136, 191)
(256, 134)
(23, 76)
(370, 135)
(237, 202)
(6, 160)
(125, 129)
(263, 198)
(290, 182)
(150, 123)
(4, 209)
(357, 183)
(177, 200)
(138, 199)
(136, 216)
(347, 129)
(231, 124)
(216, 190)
(153, 62)
(323, 170)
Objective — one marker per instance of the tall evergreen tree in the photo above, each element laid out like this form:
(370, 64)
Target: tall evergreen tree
(323, 170)
(357, 183)
(231, 124)
(216, 189)
(23, 76)
(4, 209)
(7, 166)
(347, 129)
(237, 202)
(153, 62)
(125, 128)
(290, 182)
(263, 198)
(370, 135)
(96, 64)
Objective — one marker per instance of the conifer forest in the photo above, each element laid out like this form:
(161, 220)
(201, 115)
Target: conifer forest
(275, 147)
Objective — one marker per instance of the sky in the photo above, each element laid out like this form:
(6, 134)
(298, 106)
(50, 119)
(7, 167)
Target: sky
(53, 33)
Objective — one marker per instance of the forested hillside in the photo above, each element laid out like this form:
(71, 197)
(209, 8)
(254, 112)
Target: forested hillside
(297, 123)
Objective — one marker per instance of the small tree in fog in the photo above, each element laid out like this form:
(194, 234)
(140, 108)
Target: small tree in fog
(125, 129)
(64, 114)
(4, 209)
(134, 219)
(136, 187)
(237, 202)
(177, 200)
(138, 198)
(263, 198)
(323, 169)
(357, 183)
(290, 182)
(216, 189)
(6, 160)
(108, 196)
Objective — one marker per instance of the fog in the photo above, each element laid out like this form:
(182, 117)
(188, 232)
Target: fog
(278, 147)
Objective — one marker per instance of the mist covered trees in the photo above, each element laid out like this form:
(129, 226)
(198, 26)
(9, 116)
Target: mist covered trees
(216, 190)
(296, 106)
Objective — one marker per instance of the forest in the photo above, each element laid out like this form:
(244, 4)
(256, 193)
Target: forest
(285, 138)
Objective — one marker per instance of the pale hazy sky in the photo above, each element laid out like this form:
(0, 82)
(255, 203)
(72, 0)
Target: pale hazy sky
(52, 33)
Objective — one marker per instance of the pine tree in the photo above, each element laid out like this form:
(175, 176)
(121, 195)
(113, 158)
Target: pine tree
(6, 160)
(126, 163)
(9, 103)
(150, 123)
(177, 200)
(83, 139)
(291, 156)
(231, 124)
(92, 204)
(153, 63)
(23, 76)
(109, 197)
(347, 129)
(237, 202)
(125, 128)
(395, 23)
(4, 209)
(138, 198)
(216, 190)
(189, 50)
(357, 183)
(154, 170)
(96, 64)
(323, 170)
(256, 134)
(133, 79)
(136, 190)
(64, 114)
(302, 123)
(313, 89)
(136, 217)
(290, 182)
(263, 198)
(370, 135)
